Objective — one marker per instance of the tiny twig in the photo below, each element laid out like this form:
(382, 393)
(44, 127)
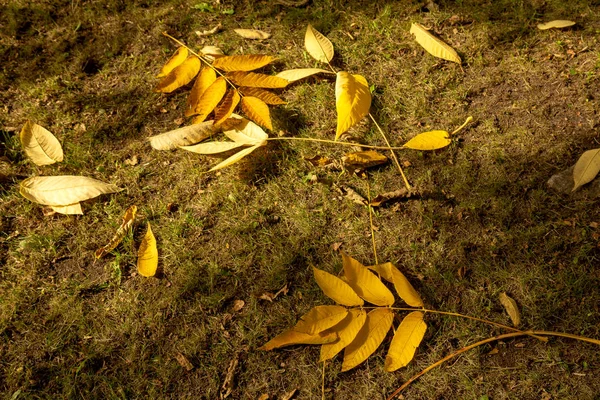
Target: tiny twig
(488, 340)
(336, 142)
(390, 148)
(371, 220)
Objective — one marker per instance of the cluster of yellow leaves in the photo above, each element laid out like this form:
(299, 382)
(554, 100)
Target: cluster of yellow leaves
(147, 261)
(62, 194)
(358, 332)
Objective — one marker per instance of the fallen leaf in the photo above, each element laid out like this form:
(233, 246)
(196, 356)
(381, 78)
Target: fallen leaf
(229, 103)
(264, 396)
(405, 290)
(227, 386)
(365, 283)
(205, 79)
(242, 63)
(407, 338)
(559, 23)
(288, 395)
(432, 140)
(234, 158)
(256, 80)
(63, 190)
(351, 194)
(185, 136)
(257, 110)
(180, 75)
(238, 305)
(126, 224)
(132, 161)
(383, 198)
(347, 330)
(211, 52)
(41, 146)
(433, 45)
(586, 168)
(147, 262)
(184, 362)
(352, 100)
(320, 318)
(292, 337)
(176, 59)
(336, 289)
(378, 323)
(264, 95)
(363, 160)
(209, 99)
(319, 161)
(317, 45)
(511, 307)
(293, 75)
(210, 32)
(252, 34)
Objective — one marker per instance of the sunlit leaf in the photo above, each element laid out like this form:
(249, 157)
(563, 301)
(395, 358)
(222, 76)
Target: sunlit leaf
(206, 77)
(147, 261)
(41, 146)
(347, 330)
(352, 100)
(247, 132)
(433, 45)
(559, 23)
(317, 45)
(320, 318)
(210, 99)
(252, 79)
(403, 287)
(185, 136)
(242, 63)
(224, 110)
(363, 159)
(126, 224)
(586, 168)
(378, 323)
(291, 337)
(511, 307)
(365, 283)
(293, 75)
(234, 158)
(264, 95)
(176, 59)
(431, 140)
(336, 289)
(211, 52)
(212, 147)
(71, 209)
(252, 34)
(257, 111)
(63, 190)
(180, 75)
(407, 338)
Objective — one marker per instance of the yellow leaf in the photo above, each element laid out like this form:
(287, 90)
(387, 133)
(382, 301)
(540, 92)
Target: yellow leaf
(234, 158)
(41, 146)
(365, 283)
(252, 79)
(128, 219)
(317, 45)
(511, 308)
(559, 23)
(291, 337)
(209, 100)
(293, 75)
(176, 59)
(147, 261)
(368, 339)
(223, 111)
(252, 34)
(352, 100)
(586, 168)
(180, 75)
(212, 147)
(407, 338)
(347, 330)
(264, 95)
(63, 190)
(320, 318)
(242, 63)
(431, 140)
(206, 78)
(336, 289)
(69, 209)
(363, 159)
(247, 132)
(185, 136)
(433, 45)
(403, 287)
(257, 111)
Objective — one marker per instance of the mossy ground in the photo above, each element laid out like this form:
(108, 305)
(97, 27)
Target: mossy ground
(73, 327)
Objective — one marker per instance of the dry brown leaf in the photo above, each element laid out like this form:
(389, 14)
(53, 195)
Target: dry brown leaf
(128, 219)
(184, 362)
(242, 63)
(289, 395)
(319, 161)
(383, 198)
(511, 307)
(227, 386)
(363, 159)
(252, 79)
(210, 32)
(252, 34)
(264, 95)
(238, 305)
(351, 194)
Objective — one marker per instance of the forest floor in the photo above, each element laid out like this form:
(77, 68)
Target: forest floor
(482, 221)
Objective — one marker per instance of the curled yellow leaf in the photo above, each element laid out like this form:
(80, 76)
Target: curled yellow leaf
(352, 100)
(559, 23)
(252, 34)
(41, 146)
(234, 158)
(293, 75)
(407, 338)
(147, 261)
(336, 289)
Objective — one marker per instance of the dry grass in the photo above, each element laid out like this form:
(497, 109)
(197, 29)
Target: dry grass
(75, 328)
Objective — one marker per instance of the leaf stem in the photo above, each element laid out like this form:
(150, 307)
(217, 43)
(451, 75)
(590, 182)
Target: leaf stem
(336, 142)
(204, 60)
(460, 128)
(392, 151)
(488, 340)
